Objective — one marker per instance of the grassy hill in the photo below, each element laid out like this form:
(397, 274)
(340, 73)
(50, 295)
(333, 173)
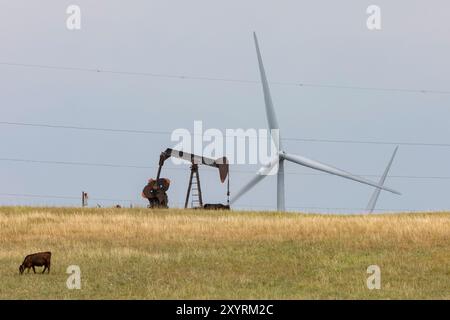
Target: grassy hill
(170, 254)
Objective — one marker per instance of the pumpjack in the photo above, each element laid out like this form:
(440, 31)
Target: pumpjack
(156, 189)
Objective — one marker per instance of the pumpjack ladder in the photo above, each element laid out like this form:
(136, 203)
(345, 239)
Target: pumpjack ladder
(194, 189)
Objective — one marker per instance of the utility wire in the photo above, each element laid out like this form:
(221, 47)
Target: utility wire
(53, 126)
(26, 195)
(41, 196)
(111, 165)
(72, 163)
(345, 141)
(342, 208)
(67, 197)
(202, 78)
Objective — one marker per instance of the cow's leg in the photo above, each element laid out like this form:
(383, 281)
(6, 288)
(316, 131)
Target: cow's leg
(45, 267)
(34, 270)
(48, 267)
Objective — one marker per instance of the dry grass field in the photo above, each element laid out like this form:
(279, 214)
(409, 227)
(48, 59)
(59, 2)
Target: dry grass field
(172, 254)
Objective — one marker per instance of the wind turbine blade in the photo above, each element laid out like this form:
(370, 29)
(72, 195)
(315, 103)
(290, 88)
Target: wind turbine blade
(331, 170)
(256, 179)
(260, 175)
(373, 200)
(270, 112)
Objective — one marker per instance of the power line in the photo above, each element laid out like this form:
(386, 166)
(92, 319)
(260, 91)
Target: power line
(43, 196)
(203, 78)
(73, 163)
(340, 208)
(26, 195)
(67, 197)
(111, 165)
(397, 143)
(313, 140)
(53, 126)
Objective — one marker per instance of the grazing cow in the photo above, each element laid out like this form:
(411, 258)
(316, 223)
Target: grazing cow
(36, 260)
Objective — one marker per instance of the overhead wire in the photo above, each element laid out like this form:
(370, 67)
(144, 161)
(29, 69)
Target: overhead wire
(134, 131)
(221, 79)
(112, 165)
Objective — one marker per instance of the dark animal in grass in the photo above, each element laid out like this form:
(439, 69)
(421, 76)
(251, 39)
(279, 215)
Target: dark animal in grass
(36, 260)
(216, 206)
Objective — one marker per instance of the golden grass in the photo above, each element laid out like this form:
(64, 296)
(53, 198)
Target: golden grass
(163, 254)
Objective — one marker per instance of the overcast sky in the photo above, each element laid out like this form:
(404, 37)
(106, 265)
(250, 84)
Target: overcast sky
(316, 42)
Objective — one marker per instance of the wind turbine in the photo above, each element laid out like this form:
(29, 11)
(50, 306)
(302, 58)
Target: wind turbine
(373, 200)
(281, 155)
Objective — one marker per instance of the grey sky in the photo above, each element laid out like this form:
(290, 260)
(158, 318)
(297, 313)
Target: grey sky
(322, 42)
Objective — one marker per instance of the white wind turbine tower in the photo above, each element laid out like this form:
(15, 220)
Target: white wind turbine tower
(373, 200)
(281, 156)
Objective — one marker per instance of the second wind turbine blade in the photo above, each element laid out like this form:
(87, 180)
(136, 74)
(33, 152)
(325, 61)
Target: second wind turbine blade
(313, 164)
(376, 193)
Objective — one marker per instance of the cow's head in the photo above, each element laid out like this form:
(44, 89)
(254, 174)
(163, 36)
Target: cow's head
(21, 268)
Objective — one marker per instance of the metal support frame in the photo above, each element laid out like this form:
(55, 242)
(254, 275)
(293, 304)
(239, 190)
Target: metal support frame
(194, 171)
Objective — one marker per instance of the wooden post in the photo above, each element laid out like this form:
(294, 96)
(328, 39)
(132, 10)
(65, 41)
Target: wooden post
(84, 198)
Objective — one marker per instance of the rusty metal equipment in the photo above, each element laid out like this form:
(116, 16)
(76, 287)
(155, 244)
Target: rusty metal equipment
(156, 189)
(155, 192)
